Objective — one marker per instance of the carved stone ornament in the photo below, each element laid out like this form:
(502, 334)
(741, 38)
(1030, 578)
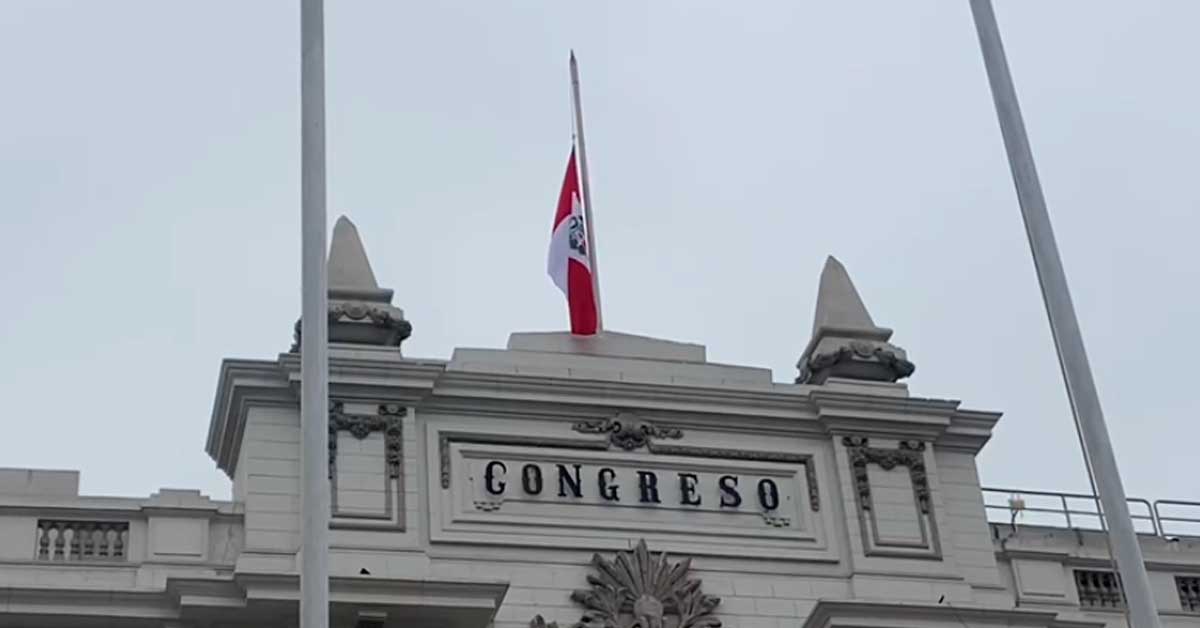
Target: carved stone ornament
(858, 359)
(392, 328)
(640, 590)
(910, 453)
(388, 419)
(627, 430)
(488, 505)
(776, 521)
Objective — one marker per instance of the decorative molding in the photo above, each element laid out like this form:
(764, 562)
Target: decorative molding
(393, 436)
(910, 453)
(242, 385)
(776, 521)
(627, 430)
(389, 419)
(810, 473)
(386, 317)
(886, 356)
(488, 505)
(641, 590)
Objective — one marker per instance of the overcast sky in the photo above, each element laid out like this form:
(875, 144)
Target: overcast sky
(149, 223)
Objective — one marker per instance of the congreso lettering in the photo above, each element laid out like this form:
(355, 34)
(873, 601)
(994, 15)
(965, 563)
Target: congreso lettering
(568, 481)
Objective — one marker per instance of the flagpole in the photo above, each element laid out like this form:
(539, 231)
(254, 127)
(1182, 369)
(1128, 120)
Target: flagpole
(1072, 357)
(587, 191)
(314, 361)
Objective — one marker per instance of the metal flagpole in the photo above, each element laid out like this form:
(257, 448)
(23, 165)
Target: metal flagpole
(314, 360)
(1072, 357)
(587, 191)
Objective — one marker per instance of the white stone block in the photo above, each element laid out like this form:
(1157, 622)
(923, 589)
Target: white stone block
(272, 522)
(775, 607)
(752, 587)
(274, 503)
(178, 538)
(18, 538)
(271, 485)
(1036, 578)
(42, 482)
(737, 605)
(351, 502)
(264, 450)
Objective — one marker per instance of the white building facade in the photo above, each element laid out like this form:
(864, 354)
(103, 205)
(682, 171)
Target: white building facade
(612, 482)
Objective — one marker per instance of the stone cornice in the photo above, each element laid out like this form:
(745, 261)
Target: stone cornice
(110, 508)
(969, 430)
(112, 605)
(374, 376)
(1186, 564)
(775, 400)
(940, 421)
(227, 598)
(834, 614)
(371, 375)
(899, 417)
(241, 384)
(835, 411)
(450, 594)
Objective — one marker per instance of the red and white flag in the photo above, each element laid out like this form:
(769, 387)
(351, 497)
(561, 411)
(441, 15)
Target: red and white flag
(569, 262)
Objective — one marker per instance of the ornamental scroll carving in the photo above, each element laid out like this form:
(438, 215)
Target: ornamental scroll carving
(889, 358)
(909, 453)
(628, 431)
(386, 318)
(388, 419)
(641, 590)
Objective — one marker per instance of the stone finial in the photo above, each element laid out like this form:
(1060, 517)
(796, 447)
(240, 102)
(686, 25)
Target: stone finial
(845, 341)
(350, 274)
(360, 312)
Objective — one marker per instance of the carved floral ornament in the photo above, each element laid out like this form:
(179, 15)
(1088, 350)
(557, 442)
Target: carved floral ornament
(628, 431)
(909, 453)
(387, 419)
(385, 318)
(641, 590)
(890, 359)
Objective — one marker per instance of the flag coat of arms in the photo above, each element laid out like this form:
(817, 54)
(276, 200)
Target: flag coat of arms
(569, 261)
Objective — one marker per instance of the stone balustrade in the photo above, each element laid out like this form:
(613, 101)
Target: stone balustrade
(1189, 593)
(69, 540)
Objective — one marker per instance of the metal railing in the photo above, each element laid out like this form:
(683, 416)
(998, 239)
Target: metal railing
(1164, 517)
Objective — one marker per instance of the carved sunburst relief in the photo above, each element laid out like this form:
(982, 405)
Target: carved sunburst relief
(641, 590)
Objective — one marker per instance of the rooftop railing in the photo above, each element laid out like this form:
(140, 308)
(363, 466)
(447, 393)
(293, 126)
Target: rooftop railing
(1164, 517)
(70, 540)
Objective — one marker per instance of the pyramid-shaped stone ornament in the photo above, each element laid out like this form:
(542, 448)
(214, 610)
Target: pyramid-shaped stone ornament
(360, 312)
(845, 342)
(350, 274)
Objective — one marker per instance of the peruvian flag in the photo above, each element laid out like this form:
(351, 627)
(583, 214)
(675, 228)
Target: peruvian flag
(569, 262)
